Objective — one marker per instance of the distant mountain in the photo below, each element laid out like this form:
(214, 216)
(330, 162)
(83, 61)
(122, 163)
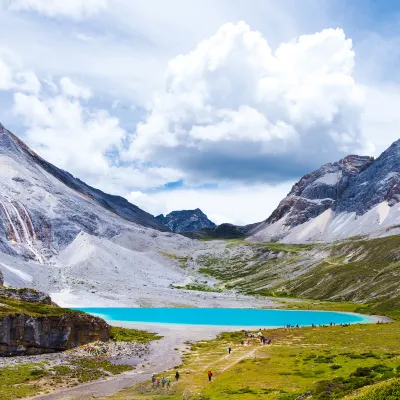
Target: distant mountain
(354, 196)
(185, 221)
(43, 208)
(223, 231)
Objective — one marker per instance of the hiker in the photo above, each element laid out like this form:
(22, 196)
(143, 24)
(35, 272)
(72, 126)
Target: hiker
(209, 376)
(153, 380)
(158, 381)
(177, 376)
(229, 350)
(163, 382)
(168, 383)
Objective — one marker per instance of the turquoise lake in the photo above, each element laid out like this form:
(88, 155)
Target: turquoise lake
(226, 316)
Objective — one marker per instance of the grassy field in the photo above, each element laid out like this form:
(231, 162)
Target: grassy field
(132, 335)
(327, 362)
(353, 270)
(23, 380)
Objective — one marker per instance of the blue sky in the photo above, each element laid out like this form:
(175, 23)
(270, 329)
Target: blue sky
(221, 105)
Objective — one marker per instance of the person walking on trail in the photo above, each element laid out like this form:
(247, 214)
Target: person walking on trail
(177, 376)
(229, 350)
(153, 380)
(168, 383)
(209, 376)
(163, 382)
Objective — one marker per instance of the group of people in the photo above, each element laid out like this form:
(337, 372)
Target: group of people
(163, 382)
(157, 381)
(258, 335)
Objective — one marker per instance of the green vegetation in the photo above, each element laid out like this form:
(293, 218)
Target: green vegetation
(326, 362)
(366, 267)
(385, 391)
(15, 382)
(132, 335)
(181, 260)
(352, 270)
(23, 380)
(11, 307)
(199, 287)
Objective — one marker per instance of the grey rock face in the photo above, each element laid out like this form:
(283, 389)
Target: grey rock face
(186, 221)
(21, 334)
(319, 190)
(379, 182)
(42, 208)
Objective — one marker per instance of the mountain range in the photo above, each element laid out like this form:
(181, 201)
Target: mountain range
(86, 247)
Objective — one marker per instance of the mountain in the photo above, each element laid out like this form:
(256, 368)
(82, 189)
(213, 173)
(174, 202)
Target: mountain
(87, 248)
(185, 221)
(354, 196)
(42, 208)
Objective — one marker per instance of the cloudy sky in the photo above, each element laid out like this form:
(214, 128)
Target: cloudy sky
(217, 104)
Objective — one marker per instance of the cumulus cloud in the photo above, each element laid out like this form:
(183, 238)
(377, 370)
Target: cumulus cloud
(82, 140)
(68, 135)
(69, 8)
(69, 88)
(235, 109)
(14, 77)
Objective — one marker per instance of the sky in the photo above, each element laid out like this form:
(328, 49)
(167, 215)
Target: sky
(216, 104)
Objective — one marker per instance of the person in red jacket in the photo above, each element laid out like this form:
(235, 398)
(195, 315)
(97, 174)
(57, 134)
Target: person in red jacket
(209, 376)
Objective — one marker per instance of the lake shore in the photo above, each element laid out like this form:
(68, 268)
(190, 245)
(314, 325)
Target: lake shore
(164, 354)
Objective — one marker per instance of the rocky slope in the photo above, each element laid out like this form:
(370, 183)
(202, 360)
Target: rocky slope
(31, 324)
(84, 247)
(43, 208)
(354, 196)
(185, 221)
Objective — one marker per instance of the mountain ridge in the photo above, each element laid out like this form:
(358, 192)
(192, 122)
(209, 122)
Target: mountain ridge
(186, 221)
(355, 196)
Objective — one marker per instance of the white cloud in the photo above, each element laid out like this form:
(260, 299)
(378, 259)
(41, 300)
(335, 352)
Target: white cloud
(236, 101)
(71, 89)
(237, 205)
(68, 135)
(69, 8)
(14, 77)
(83, 141)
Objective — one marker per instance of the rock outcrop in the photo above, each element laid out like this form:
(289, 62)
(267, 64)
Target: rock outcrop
(185, 221)
(27, 295)
(30, 323)
(22, 334)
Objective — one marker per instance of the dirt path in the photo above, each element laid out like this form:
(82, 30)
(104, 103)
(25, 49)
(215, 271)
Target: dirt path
(164, 355)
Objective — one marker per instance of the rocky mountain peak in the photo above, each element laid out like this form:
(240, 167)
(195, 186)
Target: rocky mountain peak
(184, 221)
(319, 190)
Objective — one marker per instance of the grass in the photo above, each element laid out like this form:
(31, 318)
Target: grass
(15, 382)
(198, 287)
(13, 307)
(385, 391)
(182, 261)
(327, 362)
(132, 335)
(358, 270)
(24, 380)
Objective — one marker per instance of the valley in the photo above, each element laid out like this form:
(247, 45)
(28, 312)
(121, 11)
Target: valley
(330, 245)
